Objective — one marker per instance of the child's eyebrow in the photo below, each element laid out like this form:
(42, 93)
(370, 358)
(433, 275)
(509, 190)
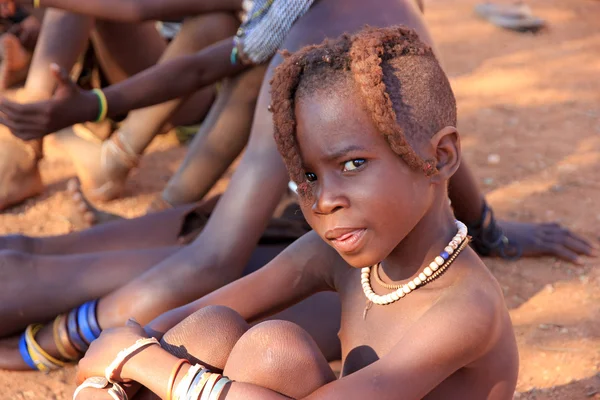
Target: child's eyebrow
(344, 151)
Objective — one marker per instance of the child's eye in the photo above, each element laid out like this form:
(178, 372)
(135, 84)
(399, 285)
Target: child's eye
(354, 164)
(311, 177)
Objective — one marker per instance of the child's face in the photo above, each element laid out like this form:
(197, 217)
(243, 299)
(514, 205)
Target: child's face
(365, 197)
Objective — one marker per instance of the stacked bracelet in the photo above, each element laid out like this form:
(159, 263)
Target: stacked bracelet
(103, 105)
(198, 384)
(33, 354)
(72, 336)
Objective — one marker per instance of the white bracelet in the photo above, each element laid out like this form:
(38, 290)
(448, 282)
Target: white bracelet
(95, 382)
(123, 354)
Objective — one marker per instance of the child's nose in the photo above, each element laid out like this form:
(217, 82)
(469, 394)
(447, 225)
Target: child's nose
(329, 198)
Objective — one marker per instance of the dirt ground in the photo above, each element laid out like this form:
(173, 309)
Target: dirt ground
(529, 108)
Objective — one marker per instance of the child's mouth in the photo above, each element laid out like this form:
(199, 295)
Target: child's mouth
(348, 241)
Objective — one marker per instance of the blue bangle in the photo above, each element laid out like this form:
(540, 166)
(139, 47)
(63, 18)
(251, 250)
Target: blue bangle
(24, 350)
(84, 326)
(74, 336)
(93, 320)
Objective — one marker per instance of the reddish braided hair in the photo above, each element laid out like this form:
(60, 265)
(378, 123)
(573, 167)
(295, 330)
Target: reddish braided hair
(402, 86)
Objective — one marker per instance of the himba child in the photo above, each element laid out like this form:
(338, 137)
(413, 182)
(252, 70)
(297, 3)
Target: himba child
(366, 126)
(145, 282)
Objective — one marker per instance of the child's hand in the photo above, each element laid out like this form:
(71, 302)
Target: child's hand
(104, 350)
(68, 106)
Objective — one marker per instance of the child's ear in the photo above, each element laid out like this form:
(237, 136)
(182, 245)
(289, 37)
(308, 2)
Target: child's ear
(446, 145)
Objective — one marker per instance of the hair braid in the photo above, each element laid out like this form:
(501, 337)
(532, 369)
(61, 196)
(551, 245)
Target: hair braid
(366, 55)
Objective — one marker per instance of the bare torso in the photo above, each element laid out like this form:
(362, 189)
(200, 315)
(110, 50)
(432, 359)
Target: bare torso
(364, 341)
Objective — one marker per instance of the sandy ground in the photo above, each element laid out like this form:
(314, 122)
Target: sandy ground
(529, 109)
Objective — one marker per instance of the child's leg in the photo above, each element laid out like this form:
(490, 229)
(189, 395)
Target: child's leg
(36, 288)
(61, 40)
(106, 180)
(288, 362)
(221, 138)
(125, 234)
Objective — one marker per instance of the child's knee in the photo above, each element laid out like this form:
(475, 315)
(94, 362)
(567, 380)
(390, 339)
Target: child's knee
(207, 336)
(283, 357)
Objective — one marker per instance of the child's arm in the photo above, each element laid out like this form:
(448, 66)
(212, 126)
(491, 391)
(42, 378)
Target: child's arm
(163, 82)
(141, 10)
(453, 334)
(302, 269)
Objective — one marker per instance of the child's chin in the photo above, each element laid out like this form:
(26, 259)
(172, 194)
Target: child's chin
(360, 260)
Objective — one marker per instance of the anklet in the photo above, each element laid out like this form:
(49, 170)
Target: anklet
(443, 260)
(61, 339)
(33, 355)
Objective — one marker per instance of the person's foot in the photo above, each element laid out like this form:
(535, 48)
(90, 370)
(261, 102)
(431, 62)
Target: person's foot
(102, 168)
(15, 61)
(534, 240)
(20, 177)
(83, 214)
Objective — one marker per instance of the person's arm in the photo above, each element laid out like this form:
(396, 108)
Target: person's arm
(140, 10)
(423, 358)
(304, 268)
(163, 82)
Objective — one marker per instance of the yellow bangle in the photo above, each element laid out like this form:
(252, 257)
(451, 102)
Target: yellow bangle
(38, 354)
(103, 105)
(36, 3)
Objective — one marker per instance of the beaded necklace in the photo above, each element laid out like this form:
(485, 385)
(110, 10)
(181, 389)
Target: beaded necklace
(436, 268)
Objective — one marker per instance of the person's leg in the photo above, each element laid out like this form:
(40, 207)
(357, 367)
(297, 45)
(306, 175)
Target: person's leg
(104, 180)
(61, 40)
(149, 231)
(289, 362)
(36, 288)
(221, 138)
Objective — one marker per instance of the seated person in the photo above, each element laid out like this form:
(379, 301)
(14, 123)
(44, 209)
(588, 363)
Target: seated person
(366, 126)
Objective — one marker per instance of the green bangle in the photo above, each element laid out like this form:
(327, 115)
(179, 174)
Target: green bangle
(103, 105)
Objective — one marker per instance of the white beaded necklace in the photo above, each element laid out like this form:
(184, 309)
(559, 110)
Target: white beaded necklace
(438, 265)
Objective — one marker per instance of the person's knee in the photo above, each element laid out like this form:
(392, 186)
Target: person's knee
(284, 358)
(207, 336)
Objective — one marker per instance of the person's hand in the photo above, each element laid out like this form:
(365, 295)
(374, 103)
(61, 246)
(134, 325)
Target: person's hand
(68, 106)
(104, 350)
(537, 240)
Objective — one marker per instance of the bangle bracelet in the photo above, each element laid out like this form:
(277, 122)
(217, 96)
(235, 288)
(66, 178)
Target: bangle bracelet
(46, 358)
(173, 376)
(25, 353)
(103, 104)
(198, 384)
(73, 331)
(210, 384)
(36, 3)
(61, 339)
(123, 354)
(186, 382)
(218, 389)
(93, 319)
(83, 323)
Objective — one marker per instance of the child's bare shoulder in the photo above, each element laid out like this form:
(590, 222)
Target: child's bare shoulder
(474, 301)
